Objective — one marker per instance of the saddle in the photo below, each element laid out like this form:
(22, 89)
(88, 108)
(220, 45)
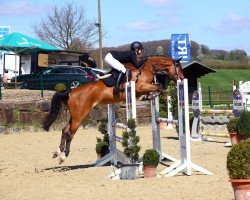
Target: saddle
(112, 79)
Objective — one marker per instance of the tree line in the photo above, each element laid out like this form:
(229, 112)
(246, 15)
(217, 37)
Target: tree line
(211, 57)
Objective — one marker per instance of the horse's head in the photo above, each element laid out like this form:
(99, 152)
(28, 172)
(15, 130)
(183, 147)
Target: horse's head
(168, 65)
(87, 61)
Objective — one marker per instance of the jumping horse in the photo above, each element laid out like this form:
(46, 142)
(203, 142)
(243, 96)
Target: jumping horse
(82, 99)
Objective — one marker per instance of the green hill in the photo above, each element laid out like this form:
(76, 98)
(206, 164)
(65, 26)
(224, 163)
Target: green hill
(217, 87)
(223, 78)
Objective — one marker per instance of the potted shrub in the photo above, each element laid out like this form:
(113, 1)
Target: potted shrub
(101, 148)
(163, 114)
(238, 166)
(150, 161)
(232, 130)
(243, 125)
(131, 150)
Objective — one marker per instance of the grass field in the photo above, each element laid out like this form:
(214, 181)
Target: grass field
(223, 78)
(220, 84)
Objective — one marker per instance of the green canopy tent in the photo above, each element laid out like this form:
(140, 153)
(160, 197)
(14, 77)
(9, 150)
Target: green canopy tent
(19, 43)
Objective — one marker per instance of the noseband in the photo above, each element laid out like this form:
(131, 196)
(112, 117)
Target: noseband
(177, 65)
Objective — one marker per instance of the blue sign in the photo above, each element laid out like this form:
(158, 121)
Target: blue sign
(180, 47)
(4, 30)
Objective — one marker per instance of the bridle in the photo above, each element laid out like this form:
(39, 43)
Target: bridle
(155, 66)
(177, 65)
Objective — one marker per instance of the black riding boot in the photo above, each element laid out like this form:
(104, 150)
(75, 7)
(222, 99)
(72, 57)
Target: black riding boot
(119, 81)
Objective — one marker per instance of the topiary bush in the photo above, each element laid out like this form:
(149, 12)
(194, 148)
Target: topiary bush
(151, 158)
(232, 125)
(243, 125)
(163, 107)
(130, 142)
(101, 147)
(238, 161)
(172, 91)
(103, 128)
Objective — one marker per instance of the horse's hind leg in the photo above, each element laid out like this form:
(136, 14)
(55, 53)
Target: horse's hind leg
(65, 154)
(71, 130)
(65, 130)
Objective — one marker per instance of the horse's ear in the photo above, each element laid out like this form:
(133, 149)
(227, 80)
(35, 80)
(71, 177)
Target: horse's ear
(179, 59)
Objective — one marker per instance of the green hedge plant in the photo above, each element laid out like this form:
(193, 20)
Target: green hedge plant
(151, 158)
(238, 161)
(103, 128)
(130, 142)
(232, 125)
(101, 147)
(243, 125)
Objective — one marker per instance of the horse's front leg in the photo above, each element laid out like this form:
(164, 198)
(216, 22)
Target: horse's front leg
(155, 94)
(154, 90)
(148, 87)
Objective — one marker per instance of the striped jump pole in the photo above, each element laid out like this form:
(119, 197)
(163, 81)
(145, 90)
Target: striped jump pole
(207, 119)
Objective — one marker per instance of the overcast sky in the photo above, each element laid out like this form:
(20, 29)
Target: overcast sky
(220, 24)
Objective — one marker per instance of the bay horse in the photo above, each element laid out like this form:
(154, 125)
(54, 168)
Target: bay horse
(82, 99)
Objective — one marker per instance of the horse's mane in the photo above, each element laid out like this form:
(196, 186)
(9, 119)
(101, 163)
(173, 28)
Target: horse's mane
(150, 58)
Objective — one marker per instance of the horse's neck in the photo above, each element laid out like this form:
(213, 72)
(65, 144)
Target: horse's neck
(146, 71)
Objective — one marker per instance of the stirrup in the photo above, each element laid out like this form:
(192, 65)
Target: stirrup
(117, 90)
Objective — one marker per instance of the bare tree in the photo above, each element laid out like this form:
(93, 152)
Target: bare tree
(68, 28)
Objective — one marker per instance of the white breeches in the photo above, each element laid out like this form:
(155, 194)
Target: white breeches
(112, 62)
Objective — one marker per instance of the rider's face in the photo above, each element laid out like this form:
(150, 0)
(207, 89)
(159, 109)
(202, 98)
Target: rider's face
(138, 51)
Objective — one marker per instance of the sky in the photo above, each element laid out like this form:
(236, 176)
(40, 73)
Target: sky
(219, 24)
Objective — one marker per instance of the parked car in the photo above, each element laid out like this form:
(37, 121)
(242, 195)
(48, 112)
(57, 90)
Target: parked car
(48, 79)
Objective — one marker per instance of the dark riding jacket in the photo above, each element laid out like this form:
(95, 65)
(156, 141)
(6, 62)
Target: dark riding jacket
(127, 57)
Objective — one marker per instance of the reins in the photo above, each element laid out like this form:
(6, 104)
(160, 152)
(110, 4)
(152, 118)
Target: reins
(141, 68)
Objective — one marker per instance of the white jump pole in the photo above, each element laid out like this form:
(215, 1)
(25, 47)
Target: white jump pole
(156, 135)
(185, 163)
(116, 155)
(170, 115)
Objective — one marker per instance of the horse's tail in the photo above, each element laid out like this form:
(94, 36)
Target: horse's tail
(56, 105)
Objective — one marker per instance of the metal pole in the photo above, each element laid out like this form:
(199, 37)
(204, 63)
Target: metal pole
(100, 34)
(209, 96)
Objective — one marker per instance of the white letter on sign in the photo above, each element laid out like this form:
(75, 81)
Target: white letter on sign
(182, 50)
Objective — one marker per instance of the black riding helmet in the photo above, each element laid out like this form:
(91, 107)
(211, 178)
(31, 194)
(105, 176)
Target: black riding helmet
(136, 45)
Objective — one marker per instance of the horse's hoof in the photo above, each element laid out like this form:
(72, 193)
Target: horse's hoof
(151, 96)
(60, 161)
(144, 98)
(62, 158)
(56, 153)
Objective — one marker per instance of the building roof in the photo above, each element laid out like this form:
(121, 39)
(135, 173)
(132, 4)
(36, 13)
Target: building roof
(196, 69)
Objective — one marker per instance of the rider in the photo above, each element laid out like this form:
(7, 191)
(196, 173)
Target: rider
(115, 59)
